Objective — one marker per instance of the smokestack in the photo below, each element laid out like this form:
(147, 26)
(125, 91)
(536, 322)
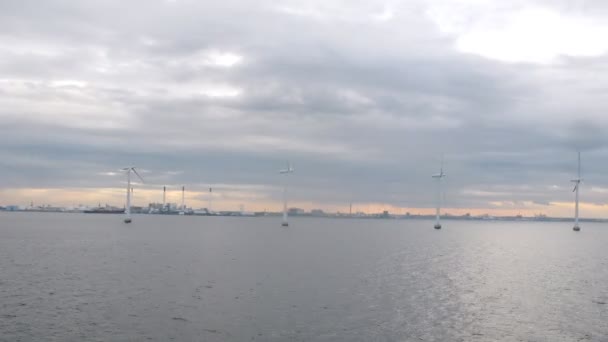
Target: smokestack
(164, 195)
(210, 198)
(183, 198)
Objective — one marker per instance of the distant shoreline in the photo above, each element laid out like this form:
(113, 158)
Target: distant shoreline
(339, 216)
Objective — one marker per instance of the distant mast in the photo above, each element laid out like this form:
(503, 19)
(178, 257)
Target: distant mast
(285, 172)
(164, 197)
(577, 183)
(438, 177)
(183, 210)
(210, 198)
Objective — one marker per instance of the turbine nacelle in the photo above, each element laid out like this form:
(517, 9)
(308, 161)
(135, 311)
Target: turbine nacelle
(440, 174)
(129, 169)
(289, 169)
(577, 183)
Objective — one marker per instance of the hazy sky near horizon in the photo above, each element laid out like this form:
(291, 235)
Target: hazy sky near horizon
(363, 97)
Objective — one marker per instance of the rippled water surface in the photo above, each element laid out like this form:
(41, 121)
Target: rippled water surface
(78, 277)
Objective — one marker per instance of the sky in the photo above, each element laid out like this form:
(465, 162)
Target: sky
(364, 98)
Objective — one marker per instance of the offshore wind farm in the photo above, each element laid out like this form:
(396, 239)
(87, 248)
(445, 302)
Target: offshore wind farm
(175, 255)
(205, 258)
(290, 170)
(181, 209)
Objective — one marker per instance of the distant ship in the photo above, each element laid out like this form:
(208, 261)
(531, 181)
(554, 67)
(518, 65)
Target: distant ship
(105, 210)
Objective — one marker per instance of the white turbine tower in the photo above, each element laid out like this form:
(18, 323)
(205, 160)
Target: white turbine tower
(577, 183)
(285, 172)
(130, 192)
(438, 177)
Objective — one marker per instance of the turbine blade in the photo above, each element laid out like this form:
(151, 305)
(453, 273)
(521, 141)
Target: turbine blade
(135, 171)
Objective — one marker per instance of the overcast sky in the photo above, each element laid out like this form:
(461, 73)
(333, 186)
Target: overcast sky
(362, 97)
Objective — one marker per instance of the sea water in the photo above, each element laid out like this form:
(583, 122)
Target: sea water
(87, 277)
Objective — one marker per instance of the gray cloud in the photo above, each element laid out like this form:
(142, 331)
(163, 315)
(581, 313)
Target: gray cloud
(362, 98)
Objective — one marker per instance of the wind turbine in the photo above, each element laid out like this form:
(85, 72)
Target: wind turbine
(130, 191)
(285, 172)
(438, 177)
(577, 183)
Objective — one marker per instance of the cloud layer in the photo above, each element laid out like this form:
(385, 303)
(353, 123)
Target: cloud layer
(362, 98)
